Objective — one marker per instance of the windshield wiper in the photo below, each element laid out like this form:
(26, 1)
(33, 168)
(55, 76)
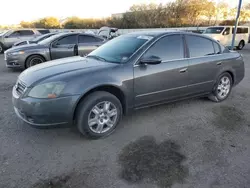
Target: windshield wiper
(96, 57)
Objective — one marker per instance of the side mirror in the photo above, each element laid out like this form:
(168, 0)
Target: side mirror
(7, 36)
(151, 60)
(225, 33)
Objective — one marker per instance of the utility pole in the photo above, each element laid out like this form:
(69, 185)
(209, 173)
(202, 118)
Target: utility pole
(236, 24)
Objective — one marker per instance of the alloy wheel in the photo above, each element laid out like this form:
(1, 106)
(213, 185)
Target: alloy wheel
(102, 117)
(224, 87)
(35, 61)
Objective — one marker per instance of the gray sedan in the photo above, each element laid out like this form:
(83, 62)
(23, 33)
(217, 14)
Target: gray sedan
(130, 72)
(55, 47)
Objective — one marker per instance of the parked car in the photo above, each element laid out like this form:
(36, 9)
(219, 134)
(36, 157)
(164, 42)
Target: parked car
(108, 32)
(55, 47)
(224, 34)
(129, 72)
(34, 40)
(8, 38)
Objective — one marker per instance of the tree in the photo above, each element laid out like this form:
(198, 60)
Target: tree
(48, 23)
(26, 24)
(221, 12)
(209, 11)
(196, 9)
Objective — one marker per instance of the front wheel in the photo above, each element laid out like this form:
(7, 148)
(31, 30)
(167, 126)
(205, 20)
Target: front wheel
(222, 88)
(34, 60)
(98, 114)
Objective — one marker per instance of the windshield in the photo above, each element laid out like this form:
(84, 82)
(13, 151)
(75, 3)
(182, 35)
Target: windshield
(42, 37)
(5, 32)
(214, 30)
(120, 49)
(49, 40)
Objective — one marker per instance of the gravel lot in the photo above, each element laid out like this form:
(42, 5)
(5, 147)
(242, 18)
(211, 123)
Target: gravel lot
(194, 143)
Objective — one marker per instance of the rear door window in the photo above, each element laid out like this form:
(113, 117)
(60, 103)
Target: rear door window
(199, 46)
(88, 39)
(241, 30)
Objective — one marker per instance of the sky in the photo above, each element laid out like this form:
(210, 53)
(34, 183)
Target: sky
(14, 11)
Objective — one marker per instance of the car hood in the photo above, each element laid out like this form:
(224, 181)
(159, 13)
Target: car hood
(25, 47)
(49, 69)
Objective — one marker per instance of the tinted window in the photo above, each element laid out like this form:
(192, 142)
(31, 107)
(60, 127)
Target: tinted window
(216, 48)
(241, 30)
(88, 39)
(167, 48)
(43, 31)
(26, 32)
(199, 46)
(67, 40)
(120, 49)
(214, 30)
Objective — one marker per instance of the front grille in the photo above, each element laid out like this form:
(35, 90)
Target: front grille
(20, 88)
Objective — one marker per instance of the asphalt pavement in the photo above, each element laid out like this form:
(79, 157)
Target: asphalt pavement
(187, 144)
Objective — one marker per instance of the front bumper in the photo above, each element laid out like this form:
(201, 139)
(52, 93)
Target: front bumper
(14, 61)
(44, 112)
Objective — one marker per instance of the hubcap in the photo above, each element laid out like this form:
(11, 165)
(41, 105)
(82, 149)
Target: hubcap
(241, 45)
(102, 117)
(35, 61)
(224, 87)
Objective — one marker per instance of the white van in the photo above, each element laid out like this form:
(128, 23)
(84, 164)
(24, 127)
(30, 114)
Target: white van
(224, 34)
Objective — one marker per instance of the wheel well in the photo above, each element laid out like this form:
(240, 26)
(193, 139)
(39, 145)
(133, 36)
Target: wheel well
(33, 55)
(242, 41)
(232, 75)
(110, 89)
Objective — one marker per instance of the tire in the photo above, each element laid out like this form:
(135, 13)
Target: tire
(1, 48)
(241, 45)
(87, 112)
(216, 95)
(34, 60)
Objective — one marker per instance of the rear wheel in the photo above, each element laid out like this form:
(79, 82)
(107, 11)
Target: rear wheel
(222, 88)
(241, 45)
(34, 60)
(98, 114)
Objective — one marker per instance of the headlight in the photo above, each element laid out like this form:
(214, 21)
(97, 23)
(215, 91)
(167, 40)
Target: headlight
(47, 90)
(16, 53)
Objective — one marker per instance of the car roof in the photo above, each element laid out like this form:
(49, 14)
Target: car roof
(157, 34)
(153, 33)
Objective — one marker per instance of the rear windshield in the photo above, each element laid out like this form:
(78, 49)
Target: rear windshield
(214, 30)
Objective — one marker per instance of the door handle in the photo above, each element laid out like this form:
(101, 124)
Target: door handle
(218, 63)
(71, 46)
(183, 70)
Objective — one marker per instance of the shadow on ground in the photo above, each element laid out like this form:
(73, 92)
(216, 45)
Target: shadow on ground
(228, 117)
(146, 160)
